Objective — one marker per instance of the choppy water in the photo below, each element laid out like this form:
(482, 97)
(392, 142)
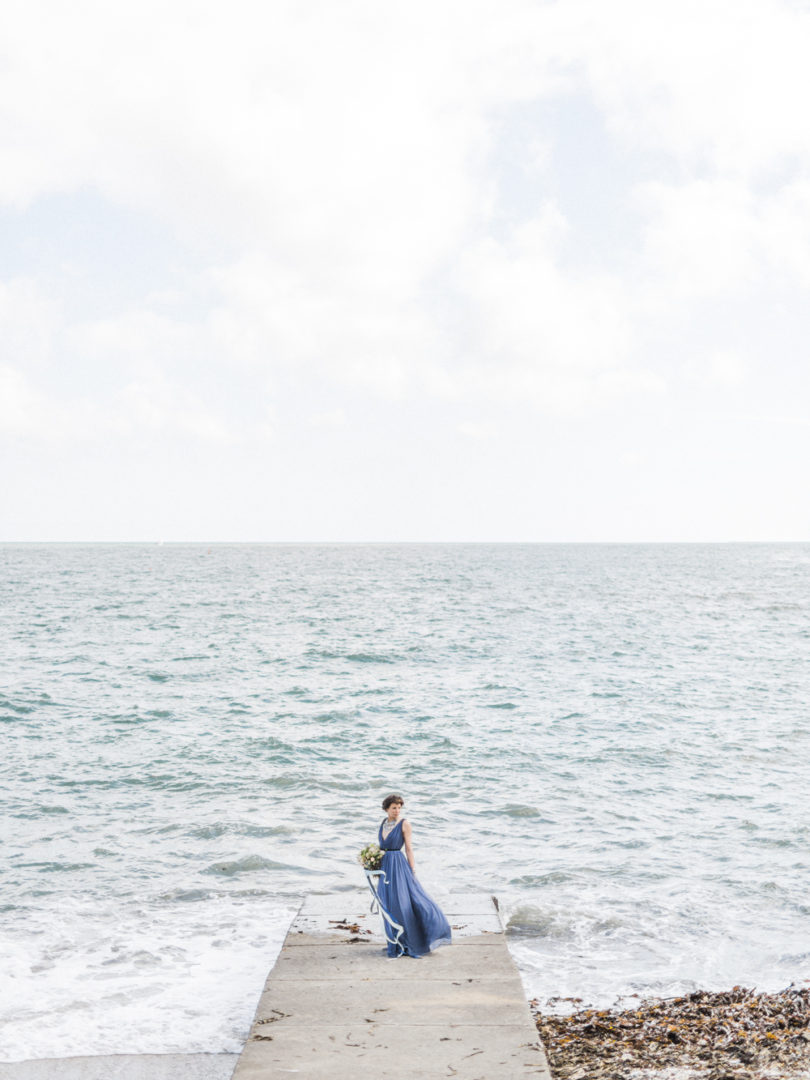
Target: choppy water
(614, 739)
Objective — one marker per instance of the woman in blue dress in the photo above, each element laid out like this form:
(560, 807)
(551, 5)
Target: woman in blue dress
(426, 927)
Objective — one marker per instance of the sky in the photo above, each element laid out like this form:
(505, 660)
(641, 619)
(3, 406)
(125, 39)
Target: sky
(449, 271)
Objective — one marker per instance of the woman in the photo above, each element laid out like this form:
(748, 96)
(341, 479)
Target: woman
(426, 927)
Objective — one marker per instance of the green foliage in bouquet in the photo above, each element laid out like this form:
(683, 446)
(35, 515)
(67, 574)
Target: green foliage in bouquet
(370, 858)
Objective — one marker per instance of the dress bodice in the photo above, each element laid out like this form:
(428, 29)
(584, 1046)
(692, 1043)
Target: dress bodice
(392, 842)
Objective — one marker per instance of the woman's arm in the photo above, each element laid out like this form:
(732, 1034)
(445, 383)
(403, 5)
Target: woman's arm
(406, 833)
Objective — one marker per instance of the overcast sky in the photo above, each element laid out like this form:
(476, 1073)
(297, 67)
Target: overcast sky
(405, 271)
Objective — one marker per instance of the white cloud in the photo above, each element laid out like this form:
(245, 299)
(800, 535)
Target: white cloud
(270, 317)
(700, 240)
(156, 406)
(480, 432)
(786, 234)
(341, 153)
(715, 84)
(331, 418)
(722, 369)
(46, 354)
(22, 410)
(558, 338)
(719, 238)
(140, 409)
(302, 128)
(28, 319)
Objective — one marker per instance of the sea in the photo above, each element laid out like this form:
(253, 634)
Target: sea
(614, 740)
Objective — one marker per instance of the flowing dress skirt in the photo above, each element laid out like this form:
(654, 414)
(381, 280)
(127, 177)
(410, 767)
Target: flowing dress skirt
(426, 927)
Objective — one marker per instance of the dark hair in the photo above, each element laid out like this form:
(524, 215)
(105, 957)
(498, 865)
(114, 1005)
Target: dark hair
(392, 799)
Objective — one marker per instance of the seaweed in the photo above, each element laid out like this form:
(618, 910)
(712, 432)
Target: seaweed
(737, 1034)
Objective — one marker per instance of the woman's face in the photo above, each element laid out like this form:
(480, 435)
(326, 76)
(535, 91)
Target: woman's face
(394, 810)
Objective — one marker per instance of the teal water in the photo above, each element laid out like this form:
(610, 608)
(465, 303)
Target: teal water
(614, 739)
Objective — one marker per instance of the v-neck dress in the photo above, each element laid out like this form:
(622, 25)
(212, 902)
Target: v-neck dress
(426, 927)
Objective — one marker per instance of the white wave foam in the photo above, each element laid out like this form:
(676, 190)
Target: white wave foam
(152, 982)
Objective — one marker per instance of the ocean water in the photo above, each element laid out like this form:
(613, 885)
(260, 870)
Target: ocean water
(613, 739)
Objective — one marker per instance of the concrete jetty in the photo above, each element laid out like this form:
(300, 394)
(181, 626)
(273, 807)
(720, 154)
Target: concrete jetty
(334, 1006)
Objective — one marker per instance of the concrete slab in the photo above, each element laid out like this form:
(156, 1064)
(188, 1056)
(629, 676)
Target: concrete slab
(472, 925)
(335, 904)
(300, 937)
(335, 1006)
(371, 1052)
(336, 937)
(468, 958)
(368, 925)
(346, 926)
(413, 1002)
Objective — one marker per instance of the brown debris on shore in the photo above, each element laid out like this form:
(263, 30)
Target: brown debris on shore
(735, 1035)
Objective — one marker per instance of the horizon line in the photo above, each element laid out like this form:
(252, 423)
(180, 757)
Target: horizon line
(388, 542)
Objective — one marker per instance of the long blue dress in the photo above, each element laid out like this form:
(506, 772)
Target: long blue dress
(426, 927)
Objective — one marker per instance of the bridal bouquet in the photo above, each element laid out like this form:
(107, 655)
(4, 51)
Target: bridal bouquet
(370, 858)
